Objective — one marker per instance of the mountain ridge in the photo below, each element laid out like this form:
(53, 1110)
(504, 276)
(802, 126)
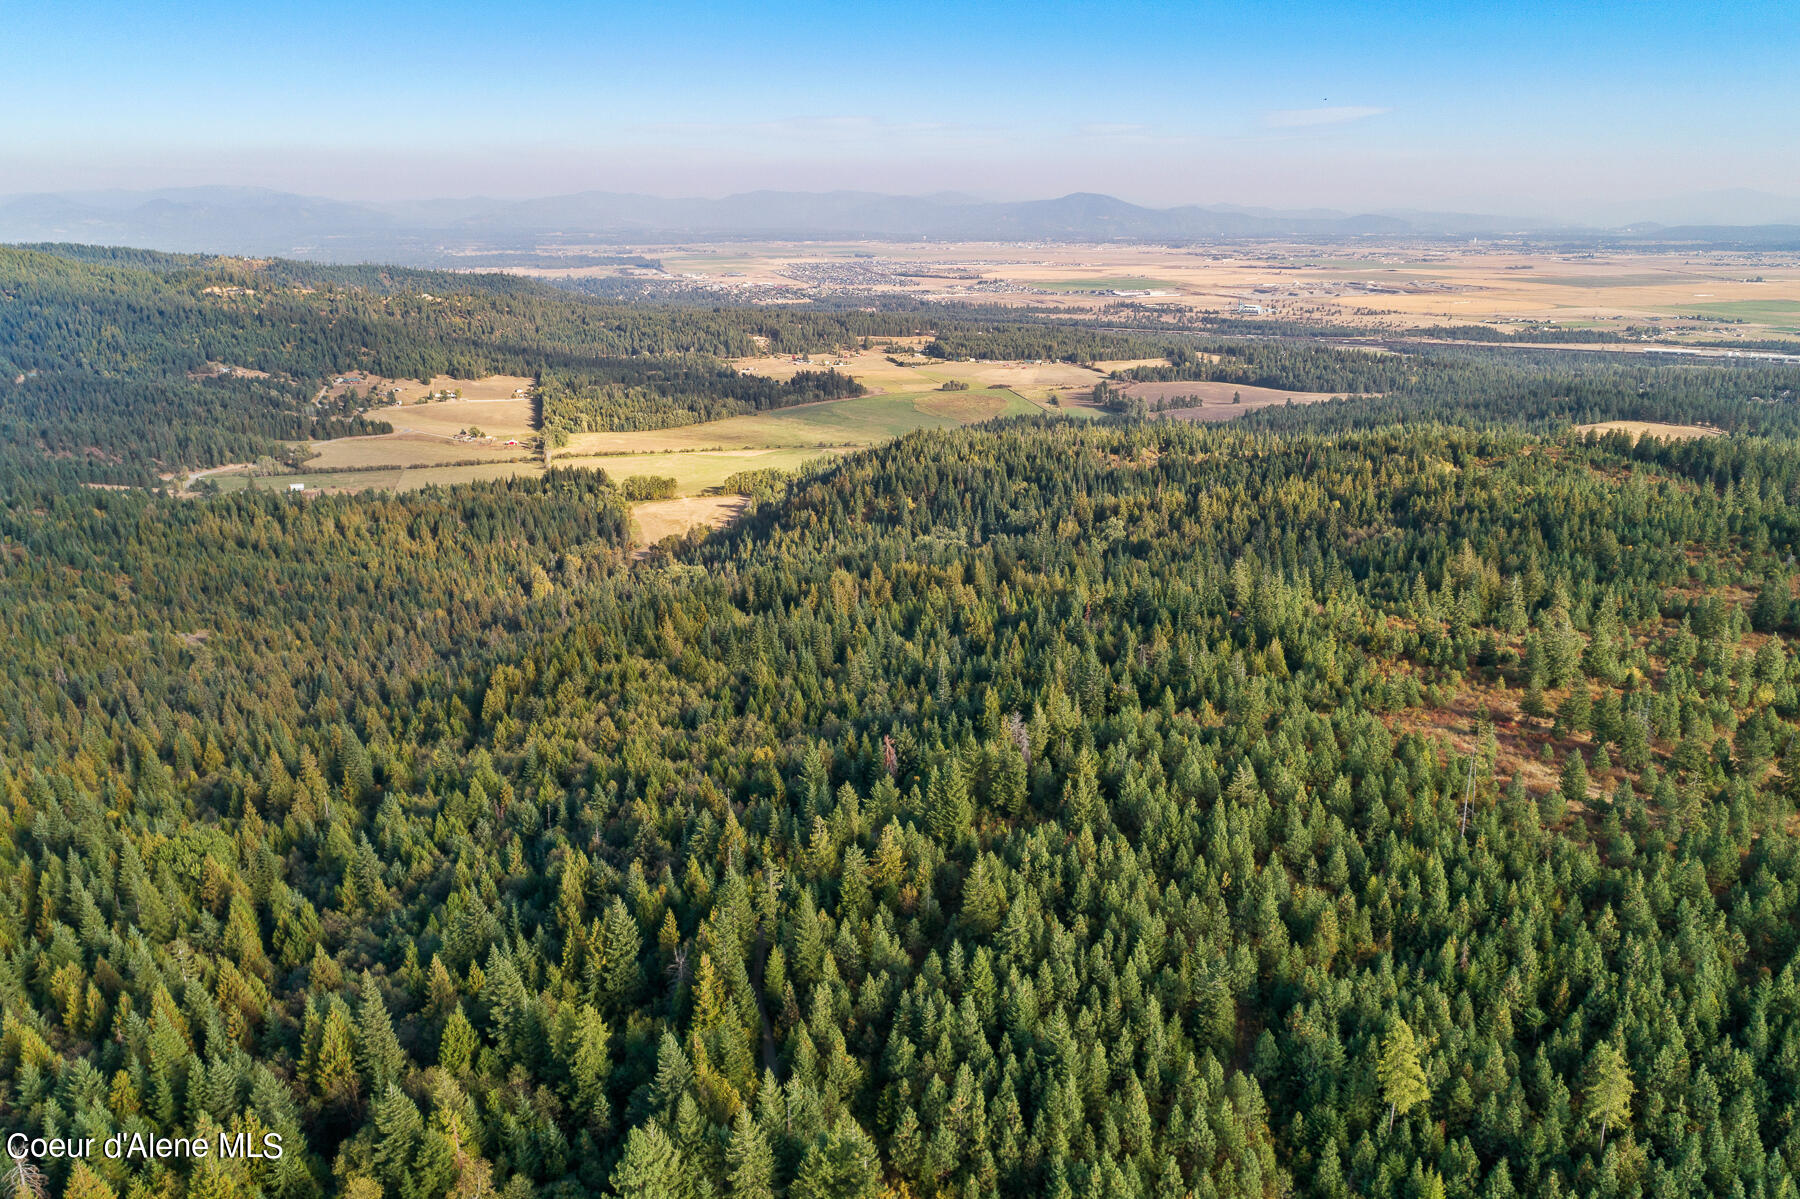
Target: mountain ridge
(246, 220)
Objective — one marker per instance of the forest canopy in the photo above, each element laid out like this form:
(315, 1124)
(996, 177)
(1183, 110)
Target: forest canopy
(1387, 796)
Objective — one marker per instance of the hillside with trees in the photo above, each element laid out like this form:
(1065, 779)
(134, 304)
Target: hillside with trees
(110, 359)
(1037, 810)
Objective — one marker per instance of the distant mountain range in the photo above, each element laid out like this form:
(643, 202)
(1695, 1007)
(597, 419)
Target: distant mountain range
(437, 232)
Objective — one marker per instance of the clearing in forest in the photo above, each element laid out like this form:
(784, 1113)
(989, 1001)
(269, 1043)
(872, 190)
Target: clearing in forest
(699, 457)
(657, 519)
(1650, 428)
(432, 433)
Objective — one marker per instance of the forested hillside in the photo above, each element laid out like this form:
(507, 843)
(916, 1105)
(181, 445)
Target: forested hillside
(109, 360)
(1054, 810)
(108, 357)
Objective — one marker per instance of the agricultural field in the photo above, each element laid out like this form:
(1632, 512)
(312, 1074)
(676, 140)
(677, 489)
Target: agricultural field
(1375, 285)
(862, 421)
(701, 472)
(699, 457)
(1100, 283)
(1778, 314)
(427, 434)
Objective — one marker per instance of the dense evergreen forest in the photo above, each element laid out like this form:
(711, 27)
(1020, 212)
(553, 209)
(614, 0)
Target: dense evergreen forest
(1394, 796)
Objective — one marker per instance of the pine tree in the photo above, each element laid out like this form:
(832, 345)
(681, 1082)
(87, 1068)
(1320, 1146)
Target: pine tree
(456, 1046)
(651, 1166)
(841, 1163)
(983, 899)
(590, 1066)
(378, 1052)
(1081, 790)
(749, 1162)
(947, 806)
(398, 1128)
(1607, 1096)
(619, 943)
(1402, 1077)
(1770, 608)
(1009, 786)
(889, 864)
(85, 1184)
(1574, 780)
(334, 1072)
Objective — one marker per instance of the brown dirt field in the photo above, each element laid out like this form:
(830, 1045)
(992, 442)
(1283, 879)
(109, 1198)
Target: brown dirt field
(1640, 428)
(658, 519)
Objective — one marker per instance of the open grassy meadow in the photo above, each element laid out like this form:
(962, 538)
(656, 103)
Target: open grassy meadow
(391, 478)
(657, 519)
(865, 420)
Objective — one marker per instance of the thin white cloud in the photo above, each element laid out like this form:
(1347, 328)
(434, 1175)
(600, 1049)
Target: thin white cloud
(1339, 114)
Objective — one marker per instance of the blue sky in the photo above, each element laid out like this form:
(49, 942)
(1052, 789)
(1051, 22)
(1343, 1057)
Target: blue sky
(1523, 107)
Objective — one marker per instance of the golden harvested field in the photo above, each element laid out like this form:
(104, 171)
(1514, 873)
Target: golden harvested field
(494, 387)
(658, 519)
(405, 391)
(405, 450)
(1656, 429)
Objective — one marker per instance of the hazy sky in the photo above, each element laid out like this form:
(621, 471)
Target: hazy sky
(1530, 108)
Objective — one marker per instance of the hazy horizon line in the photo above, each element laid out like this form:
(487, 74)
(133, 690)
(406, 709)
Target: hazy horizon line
(1501, 209)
